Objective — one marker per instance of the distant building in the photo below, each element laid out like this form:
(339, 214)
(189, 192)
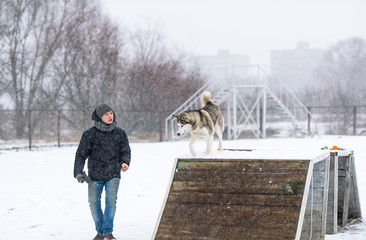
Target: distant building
(296, 67)
(216, 66)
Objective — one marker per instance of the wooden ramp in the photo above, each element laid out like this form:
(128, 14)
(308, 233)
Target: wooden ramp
(233, 197)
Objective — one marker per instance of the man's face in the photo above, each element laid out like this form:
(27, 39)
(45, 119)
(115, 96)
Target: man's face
(108, 117)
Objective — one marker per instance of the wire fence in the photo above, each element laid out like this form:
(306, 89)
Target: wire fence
(40, 128)
(339, 120)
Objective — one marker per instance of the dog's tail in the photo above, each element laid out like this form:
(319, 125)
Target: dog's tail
(206, 98)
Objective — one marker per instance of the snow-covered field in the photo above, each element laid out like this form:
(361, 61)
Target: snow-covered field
(41, 200)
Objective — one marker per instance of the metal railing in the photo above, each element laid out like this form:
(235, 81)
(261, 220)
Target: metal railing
(234, 90)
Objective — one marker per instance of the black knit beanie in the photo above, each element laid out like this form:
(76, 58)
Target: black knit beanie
(102, 109)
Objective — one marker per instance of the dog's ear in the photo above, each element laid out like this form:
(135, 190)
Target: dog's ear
(176, 116)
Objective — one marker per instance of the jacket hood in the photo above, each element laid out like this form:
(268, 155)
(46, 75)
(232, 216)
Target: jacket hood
(96, 118)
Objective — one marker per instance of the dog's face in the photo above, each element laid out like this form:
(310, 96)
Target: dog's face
(184, 124)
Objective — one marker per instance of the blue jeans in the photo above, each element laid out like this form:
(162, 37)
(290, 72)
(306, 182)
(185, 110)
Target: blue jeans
(103, 222)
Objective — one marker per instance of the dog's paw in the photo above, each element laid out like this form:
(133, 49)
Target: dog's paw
(220, 148)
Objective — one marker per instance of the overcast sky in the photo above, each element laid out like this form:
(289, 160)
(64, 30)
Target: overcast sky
(249, 27)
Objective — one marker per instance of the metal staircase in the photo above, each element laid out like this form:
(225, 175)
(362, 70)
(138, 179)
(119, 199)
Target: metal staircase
(244, 97)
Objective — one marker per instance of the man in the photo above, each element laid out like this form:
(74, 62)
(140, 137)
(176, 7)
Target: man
(108, 152)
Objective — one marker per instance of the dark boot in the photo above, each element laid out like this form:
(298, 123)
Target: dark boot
(109, 237)
(98, 237)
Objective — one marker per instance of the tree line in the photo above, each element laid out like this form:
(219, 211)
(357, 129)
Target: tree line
(341, 82)
(67, 55)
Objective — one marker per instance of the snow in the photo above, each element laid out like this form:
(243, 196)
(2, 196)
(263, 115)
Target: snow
(41, 200)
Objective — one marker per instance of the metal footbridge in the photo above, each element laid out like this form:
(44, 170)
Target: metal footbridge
(245, 96)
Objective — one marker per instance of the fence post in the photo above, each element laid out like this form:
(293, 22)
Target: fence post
(160, 127)
(354, 119)
(29, 130)
(58, 128)
(309, 121)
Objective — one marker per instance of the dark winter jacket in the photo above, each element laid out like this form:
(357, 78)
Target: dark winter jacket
(105, 148)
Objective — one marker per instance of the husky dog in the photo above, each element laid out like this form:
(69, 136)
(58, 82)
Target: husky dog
(202, 123)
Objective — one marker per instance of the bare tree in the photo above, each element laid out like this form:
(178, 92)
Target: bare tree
(342, 71)
(343, 74)
(31, 37)
(156, 83)
(88, 64)
(3, 27)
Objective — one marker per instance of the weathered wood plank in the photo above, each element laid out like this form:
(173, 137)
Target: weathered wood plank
(224, 177)
(219, 232)
(346, 193)
(271, 166)
(325, 197)
(318, 179)
(315, 213)
(316, 206)
(236, 199)
(290, 188)
(348, 199)
(228, 214)
(320, 166)
(332, 210)
(354, 205)
(342, 162)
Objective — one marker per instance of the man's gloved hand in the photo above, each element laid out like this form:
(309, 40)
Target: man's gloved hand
(80, 178)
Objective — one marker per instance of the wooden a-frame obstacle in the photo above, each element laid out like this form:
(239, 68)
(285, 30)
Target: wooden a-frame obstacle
(252, 195)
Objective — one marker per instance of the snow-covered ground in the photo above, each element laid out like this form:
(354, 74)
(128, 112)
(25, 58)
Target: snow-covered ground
(41, 200)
